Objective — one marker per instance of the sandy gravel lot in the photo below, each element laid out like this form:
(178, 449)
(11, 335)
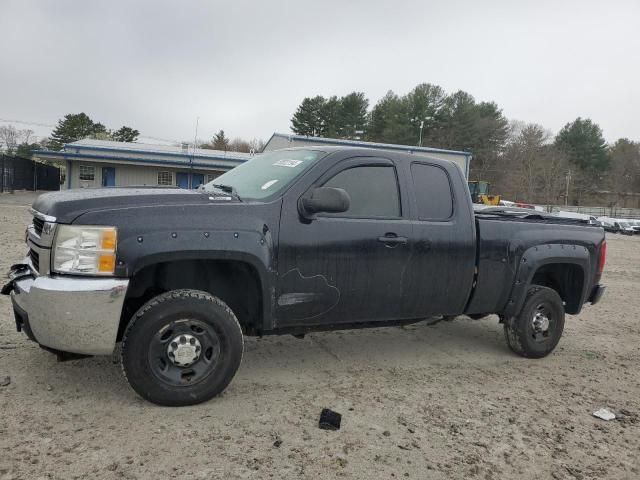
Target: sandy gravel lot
(447, 401)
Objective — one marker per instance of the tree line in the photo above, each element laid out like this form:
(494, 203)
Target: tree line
(71, 128)
(523, 161)
(77, 126)
(220, 141)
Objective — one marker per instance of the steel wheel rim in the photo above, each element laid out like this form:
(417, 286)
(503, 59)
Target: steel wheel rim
(172, 372)
(542, 324)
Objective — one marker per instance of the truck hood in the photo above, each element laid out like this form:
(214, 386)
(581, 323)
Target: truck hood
(67, 205)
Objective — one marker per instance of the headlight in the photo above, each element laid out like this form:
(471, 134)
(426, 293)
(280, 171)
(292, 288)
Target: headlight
(85, 250)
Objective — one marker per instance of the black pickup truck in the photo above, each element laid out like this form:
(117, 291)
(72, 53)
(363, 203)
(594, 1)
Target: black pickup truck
(290, 242)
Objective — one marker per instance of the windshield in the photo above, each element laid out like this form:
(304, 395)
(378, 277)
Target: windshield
(266, 174)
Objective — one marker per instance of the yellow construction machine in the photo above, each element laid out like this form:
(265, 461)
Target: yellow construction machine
(480, 193)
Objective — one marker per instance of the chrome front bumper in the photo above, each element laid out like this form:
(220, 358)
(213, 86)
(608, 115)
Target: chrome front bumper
(71, 314)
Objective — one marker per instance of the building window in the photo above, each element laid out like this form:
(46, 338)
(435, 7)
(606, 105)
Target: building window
(212, 176)
(165, 178)
(87, 172)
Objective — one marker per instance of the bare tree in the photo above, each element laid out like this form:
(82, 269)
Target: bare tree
(552, 171)
(256, 145)
(11, 137)
(239, 145)
(625, 166)
(524, 153)
(25, 136)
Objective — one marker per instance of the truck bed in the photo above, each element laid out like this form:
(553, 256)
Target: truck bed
(508, 248)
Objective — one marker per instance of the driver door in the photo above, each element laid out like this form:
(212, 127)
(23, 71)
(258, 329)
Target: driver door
(346, 267)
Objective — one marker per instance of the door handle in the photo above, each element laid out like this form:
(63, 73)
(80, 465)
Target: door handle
(392, 240)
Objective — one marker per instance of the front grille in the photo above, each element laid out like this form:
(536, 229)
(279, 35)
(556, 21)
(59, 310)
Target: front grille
(35, 259)
(38, 225)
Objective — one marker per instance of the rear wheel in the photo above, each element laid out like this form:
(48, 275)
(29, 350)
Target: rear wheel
(181, 348)
(537, 329)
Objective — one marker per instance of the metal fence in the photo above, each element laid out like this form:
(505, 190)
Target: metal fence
(613, 212)
(17, 173)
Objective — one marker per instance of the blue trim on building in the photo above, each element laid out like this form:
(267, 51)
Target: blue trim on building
(80, 156)
(129, 151)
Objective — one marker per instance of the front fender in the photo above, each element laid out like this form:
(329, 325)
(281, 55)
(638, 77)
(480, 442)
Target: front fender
(253, 248)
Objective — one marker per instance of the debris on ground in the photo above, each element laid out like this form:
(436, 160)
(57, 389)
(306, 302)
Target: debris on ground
(604, 414)
(277, 443)
(329, 420)
(5, 381)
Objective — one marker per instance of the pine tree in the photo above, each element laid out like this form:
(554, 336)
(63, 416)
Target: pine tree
(582, 141)
(74, 127)
(352, 115)
(220, 141)
(307, 120)
(389, 122)
(125, 134)
(425, 106)
(329, 118)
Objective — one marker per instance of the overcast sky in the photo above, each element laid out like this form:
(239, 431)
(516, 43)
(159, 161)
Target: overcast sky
(245, 66)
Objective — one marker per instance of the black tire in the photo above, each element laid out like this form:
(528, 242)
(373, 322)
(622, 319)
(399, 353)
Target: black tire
(181, 326)
(525, 332)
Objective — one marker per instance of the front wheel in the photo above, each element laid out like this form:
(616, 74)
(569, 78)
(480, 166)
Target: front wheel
(181, 348)
(537, 329)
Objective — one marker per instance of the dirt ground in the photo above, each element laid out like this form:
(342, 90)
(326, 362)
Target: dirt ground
(446, 401)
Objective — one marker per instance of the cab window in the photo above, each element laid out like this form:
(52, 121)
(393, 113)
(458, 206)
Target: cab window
(373, 190)
(433, 192)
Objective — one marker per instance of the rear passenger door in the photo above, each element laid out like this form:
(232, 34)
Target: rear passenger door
(443, 242)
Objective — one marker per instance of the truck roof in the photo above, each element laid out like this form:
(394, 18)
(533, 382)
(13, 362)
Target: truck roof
(374, 152)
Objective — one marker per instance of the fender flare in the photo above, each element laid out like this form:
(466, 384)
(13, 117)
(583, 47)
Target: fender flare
(253, 247)
(534, 258)
(264, 276)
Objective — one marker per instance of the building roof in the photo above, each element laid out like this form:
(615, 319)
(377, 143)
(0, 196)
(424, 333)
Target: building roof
(134, 147)
(124, 152)
(360, 143)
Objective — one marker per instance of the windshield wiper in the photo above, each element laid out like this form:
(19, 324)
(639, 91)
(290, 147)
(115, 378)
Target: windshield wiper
(227, 189)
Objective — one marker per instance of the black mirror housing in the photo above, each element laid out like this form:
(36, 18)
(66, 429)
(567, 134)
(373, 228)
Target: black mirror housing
(325, 199)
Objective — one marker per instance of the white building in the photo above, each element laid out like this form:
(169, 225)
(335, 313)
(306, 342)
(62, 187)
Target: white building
(102, 163)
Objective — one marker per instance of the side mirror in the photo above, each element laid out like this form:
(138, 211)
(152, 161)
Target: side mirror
(325, 199)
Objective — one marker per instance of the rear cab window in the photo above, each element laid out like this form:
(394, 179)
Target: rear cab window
(433, 194)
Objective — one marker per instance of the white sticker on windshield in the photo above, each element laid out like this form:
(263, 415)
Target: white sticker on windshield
(268, 184)
(288, 163)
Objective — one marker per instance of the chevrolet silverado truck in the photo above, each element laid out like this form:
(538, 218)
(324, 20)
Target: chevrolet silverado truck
(290, 242)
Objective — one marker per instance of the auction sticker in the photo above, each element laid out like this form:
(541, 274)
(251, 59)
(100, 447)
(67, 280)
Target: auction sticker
(288, 163)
